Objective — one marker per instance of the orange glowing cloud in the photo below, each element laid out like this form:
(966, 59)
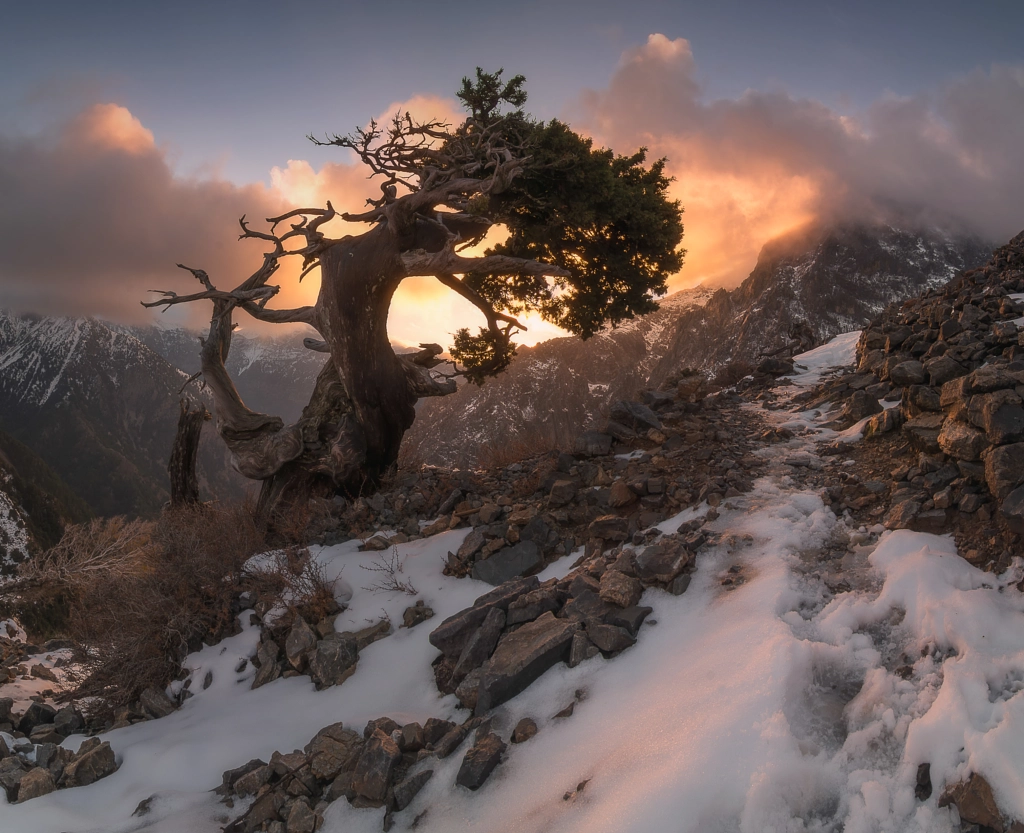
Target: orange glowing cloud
(113, 127)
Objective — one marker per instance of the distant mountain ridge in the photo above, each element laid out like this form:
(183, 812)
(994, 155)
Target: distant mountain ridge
(98, 402)
(834, 278)
(101, 409)
(273, 375)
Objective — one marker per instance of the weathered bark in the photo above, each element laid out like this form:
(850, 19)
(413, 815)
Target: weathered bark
(182, 466)
(349, 434)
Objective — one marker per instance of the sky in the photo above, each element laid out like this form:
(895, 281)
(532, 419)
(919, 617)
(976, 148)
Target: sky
(133, 135)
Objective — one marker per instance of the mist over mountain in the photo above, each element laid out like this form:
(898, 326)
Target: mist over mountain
(833, 278)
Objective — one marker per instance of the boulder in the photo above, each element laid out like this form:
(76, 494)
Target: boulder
(435, 729)
(531, 605)
(609, 639)
(266, 656)
(943, 369)
(993, 377)
(480, 761)
(450, 741)
(609, 528)
(508, 563)
(521, 657)
(450, 636)
(999, 414)
(1012, 510)
(581, 649)
(907, 373)
(592, 444)
(301, 818)
(661, 562)
(902, 514)
(87, 768)
(375, 767)
(410, 738)
(250, 782)
(586, 605)
(333, 660)
(962, 441)
(540, 533)
(264, 812)
(489, 513)
(35, 715)
(332, 750)
(923, 432)
(417, 614)
(632, 617)
(1004, 469)
(619, 589)
(562, 493)
(480, 645)
(365, 637)
(860, 405)
(68, 721)
(923, 398)
(974, 802)
(405, 791)
(634, 415)
(36, 782)
(896, 336)
(231, 776)
(620, 495)
(888, 420)
(156, 703)
(471, 545)
(525, 729)
(12, 771)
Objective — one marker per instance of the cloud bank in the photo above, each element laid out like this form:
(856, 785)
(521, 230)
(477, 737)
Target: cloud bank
(751, 168)
(93, 214)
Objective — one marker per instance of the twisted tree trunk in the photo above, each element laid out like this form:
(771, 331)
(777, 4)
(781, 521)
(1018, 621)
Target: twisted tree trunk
(182, 466)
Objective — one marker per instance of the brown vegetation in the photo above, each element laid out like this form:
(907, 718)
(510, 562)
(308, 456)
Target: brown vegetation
(137, 596)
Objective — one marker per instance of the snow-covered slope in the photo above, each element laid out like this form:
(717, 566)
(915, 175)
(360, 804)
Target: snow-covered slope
(774, 701)
(14, 535)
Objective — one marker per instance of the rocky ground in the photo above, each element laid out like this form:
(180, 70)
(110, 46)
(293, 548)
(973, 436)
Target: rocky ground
(812, 477)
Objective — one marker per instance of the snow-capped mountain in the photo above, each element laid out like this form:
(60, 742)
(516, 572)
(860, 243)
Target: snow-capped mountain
(273, 375)
(835, 279)
(100, 408)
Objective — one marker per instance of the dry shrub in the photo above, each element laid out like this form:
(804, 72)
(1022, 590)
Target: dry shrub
(140, 595)
(517, 450)
(291, 580)
(302, 522)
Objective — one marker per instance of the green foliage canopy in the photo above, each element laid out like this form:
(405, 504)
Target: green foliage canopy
(605, 219)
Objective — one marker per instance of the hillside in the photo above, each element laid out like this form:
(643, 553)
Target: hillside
(100, 408)
(833, 279)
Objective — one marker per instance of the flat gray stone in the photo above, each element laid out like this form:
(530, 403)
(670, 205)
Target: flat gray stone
(508, 563)
(450, 636)
(521, 657)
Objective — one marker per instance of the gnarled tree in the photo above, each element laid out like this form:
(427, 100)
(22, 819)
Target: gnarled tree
(591, 239)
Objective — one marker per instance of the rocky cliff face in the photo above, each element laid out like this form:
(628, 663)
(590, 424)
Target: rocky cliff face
(833, 279)
(100, 408)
